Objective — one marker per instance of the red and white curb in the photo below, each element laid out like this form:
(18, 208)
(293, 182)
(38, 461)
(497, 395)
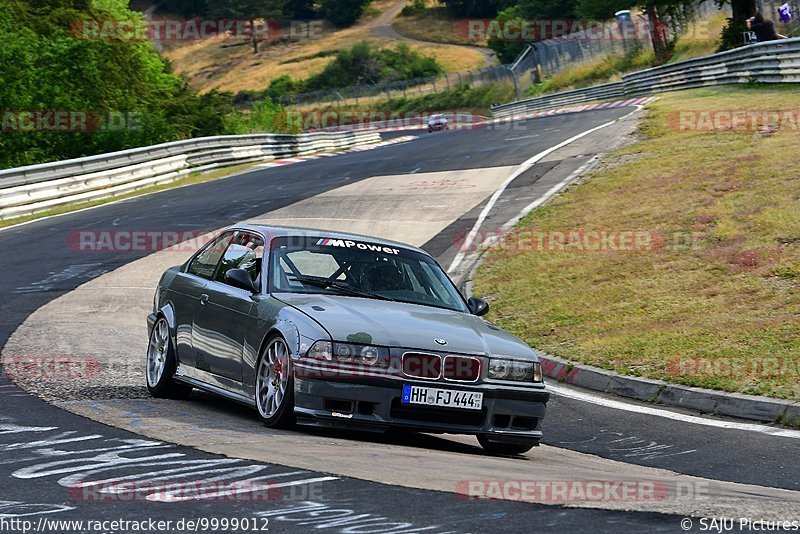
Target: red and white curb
(575, 109)
(299, 159)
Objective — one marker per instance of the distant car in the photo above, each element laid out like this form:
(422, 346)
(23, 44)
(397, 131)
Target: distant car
(437, 123)
(338, 329)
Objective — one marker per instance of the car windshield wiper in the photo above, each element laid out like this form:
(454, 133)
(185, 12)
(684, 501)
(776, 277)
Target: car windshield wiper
(325, 283)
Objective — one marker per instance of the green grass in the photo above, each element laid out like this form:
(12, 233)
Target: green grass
(465, 97)
(602, 70)
(723, 287)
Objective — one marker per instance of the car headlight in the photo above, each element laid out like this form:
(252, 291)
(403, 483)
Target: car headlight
(321, 350)
(514, 370)
(347, 353)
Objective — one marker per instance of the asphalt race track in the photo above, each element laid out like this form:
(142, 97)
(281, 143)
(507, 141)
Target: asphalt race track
(334, 481)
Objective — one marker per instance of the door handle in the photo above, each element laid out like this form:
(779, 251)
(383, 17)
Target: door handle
(203, 299)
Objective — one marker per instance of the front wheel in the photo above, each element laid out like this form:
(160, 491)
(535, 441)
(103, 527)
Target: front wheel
(275, 385)
(495, 447)
(161, 365)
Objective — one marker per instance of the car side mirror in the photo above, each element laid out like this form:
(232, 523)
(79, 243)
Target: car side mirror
(241, 279)
(478, 306)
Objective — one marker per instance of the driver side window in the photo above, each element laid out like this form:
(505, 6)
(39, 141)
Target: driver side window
(203, 264)
(245, 251)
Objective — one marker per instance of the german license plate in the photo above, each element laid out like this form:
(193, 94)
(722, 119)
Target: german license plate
(447, 398)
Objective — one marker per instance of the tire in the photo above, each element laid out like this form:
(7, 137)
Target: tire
(274, 388)
(161, 365)
(507, 449)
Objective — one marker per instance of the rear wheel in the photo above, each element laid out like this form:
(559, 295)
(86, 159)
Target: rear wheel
(497, 447)
(161, 365)
(275, 385)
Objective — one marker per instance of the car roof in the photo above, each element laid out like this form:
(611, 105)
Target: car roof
(290, 231)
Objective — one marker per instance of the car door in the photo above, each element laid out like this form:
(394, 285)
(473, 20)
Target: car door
(226, 313)
(185, 291)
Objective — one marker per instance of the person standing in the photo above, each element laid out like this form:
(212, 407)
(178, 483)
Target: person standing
(764, 29)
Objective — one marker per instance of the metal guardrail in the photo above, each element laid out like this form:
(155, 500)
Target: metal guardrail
(770, 62)
(36, 188)
(556, 100)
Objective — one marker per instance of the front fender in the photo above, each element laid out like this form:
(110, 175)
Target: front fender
(168, 313)
(299, 330)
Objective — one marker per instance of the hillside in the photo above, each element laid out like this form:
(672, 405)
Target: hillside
(209, 64)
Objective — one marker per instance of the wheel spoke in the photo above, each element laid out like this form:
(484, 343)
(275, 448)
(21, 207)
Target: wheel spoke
(272, 378)
(157, 352)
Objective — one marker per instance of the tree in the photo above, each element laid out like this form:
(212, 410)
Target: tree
(185, 8)
(507, 50)
(662, 15)
(342, 13)
(741, 10)
(601, 9)
(154, 105)
(475, 8)
(249, 10)
(299, 9)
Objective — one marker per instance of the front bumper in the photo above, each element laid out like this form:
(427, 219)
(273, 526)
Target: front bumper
(370, 403)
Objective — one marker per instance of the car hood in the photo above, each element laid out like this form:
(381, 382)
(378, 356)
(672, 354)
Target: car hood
(412, 326)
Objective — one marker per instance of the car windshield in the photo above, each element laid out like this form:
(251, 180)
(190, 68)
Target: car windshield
(359, 269)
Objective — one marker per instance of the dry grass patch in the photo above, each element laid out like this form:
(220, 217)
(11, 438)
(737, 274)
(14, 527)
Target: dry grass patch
(209, 64)
(720, 286)
(435, 24)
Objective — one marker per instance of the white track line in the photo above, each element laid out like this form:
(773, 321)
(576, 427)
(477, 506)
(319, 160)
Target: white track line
(570, 393)
(524, 166)
(549, 194)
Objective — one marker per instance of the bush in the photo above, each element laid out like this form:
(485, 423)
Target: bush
(732, 35)
(283, 86)
(365, 64)
(342, 13)
(416, 7)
